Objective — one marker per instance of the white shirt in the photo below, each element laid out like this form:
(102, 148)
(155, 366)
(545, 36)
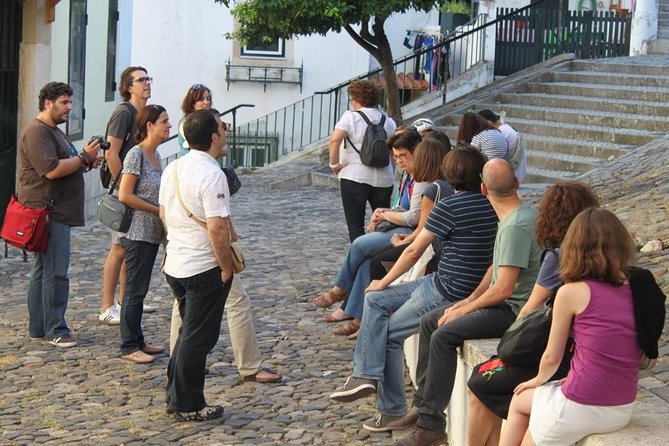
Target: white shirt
(354, 125)
(204, 190)
(511, 136)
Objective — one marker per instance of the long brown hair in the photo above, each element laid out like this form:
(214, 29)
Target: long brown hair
(428, 156)
(195, 93)
(560, 204)
(597, 246)
(471, 124)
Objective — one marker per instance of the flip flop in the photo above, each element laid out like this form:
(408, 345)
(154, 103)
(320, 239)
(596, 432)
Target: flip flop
(348, 329)
(275, 376)
(328, 299)
(337, 316)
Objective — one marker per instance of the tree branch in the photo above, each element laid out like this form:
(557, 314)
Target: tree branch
(369, 47)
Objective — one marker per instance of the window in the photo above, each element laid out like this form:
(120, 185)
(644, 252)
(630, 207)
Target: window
(112, 26)
(77, 68)
(264, 49)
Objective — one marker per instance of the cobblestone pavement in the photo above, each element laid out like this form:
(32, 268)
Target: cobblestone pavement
(294, 240)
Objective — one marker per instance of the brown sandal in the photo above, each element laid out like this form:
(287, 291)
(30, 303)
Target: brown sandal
(353, 337)
(328, 299)
(348, 328)
(337, 316)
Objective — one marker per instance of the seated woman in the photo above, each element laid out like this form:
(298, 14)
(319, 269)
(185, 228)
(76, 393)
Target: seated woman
(354, 273)
(475, 130)
(438, 190)
(596, 302)
(428, 159)
(492, 382)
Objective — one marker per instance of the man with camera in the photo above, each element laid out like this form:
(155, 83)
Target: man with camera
(51, 175)
(135, 88)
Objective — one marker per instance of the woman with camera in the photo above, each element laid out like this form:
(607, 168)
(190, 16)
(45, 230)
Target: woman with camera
(139, 189)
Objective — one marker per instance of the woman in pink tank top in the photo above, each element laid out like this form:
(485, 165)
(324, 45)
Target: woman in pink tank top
(595, 303)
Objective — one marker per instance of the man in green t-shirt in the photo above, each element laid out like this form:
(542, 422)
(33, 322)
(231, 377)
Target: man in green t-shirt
(486, 313)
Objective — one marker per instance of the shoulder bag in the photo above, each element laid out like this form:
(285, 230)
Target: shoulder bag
(112, 212)
(26, 228)
(236, 253)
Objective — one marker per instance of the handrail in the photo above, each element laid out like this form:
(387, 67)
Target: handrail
(309, 120)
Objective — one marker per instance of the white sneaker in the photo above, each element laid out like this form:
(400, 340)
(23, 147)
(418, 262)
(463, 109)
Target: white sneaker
(111, 316)
(148, 309)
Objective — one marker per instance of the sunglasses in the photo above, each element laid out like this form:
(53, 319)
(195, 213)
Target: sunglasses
(197, 87)
(144, 80)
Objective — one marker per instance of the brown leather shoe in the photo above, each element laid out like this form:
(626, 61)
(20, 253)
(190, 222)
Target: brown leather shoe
(408, 421)
(268, 376)
(424, 437)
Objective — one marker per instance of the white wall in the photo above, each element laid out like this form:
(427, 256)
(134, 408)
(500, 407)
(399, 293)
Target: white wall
(182, 45)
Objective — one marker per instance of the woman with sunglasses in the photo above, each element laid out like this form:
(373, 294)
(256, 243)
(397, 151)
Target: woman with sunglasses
(238, 305)
(140, 183)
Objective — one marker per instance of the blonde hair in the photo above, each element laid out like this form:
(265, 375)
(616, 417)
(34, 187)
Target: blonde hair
(597, 246)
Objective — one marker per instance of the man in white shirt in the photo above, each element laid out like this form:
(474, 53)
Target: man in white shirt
(195, 208)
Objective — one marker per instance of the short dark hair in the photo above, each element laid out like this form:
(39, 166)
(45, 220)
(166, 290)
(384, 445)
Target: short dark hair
(406, 139)
(52, 91)
(126, 81)
(439, 136)
(150, 113)
(198, 128)
(489, 115)
(195, 93)
(462, 167)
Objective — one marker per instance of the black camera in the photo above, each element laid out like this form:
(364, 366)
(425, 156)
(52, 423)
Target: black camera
(104, 144)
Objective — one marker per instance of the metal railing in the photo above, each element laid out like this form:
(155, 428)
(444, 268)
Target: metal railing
(309, 120)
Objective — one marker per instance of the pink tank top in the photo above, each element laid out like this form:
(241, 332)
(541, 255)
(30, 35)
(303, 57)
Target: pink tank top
(605, 366)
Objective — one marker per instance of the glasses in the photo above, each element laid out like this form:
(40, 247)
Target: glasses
(144, 80)
(401, 156)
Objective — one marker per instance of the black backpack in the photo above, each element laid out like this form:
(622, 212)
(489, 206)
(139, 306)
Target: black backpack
(105, 174)
(374, 151)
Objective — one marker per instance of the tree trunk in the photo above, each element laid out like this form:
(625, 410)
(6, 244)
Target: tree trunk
(385, 58)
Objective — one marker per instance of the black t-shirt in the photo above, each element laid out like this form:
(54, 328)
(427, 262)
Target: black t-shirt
(122, 125)
(40, 149)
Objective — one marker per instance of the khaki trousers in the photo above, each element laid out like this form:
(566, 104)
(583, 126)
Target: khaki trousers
(240, 325)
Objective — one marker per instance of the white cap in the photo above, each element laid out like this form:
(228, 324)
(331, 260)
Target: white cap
(423, 124)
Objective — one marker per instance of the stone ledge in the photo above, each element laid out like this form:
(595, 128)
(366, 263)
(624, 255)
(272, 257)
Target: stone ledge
(648, 425)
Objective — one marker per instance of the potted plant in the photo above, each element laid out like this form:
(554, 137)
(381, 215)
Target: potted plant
(454, 13)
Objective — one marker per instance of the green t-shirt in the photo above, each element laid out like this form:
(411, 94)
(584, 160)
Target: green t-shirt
(516, 245)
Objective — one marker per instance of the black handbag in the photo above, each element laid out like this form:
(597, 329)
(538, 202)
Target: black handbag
(112, 212)
(525, 340)
(234, 184)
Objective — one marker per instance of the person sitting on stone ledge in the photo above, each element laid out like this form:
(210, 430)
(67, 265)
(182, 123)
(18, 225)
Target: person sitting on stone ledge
(491, 384)
(353, 274)
(486, 313)
(465, 225)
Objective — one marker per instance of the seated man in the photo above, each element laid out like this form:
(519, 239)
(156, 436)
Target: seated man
(465, 225)
(486, 313)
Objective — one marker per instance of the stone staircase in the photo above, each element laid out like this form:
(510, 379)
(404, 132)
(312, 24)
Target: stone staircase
(661, 44)
(579, 114)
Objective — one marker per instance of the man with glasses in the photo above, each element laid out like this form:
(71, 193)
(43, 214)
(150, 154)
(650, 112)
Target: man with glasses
(135, 88)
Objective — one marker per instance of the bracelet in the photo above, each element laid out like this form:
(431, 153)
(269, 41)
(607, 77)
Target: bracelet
(334, 166)
(86, 161)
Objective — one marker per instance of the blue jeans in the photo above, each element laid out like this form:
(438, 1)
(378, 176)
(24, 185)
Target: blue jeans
(354, 272)
(389, 318)
(201, 301)
(139, 259)
(49, 287)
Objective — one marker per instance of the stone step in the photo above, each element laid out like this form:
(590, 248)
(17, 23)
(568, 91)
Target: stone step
(663, 16)
(615, 66)
(657, 94)
(659, 46)
(564, 101)
(632, 137)
(552, 113)
(663, 33)
(540, 175)
(562, 161)
(563, 144)
(625, 79)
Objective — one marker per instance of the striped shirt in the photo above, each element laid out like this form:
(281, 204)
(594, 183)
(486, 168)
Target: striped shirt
(492, 143)
(466, 225)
